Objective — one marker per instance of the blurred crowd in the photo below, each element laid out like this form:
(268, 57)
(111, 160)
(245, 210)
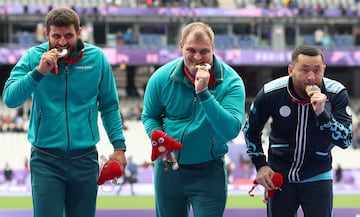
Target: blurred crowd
(164, 3)
(10, 122)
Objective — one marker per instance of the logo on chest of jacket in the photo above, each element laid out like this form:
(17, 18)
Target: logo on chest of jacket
(84, 67)
(285, 111)
(348, 111)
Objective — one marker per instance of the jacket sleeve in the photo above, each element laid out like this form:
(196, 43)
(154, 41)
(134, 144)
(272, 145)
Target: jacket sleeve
(336, 120)
(256, 120)
(229, 112)
(153, 108)
(23, 80)
(109, 106)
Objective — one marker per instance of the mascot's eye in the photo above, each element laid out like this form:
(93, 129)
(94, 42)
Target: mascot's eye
(161, 140)
(154, 143)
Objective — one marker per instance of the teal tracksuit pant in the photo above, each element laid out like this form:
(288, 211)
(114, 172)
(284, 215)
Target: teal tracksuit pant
(64, 184)
(202, 187)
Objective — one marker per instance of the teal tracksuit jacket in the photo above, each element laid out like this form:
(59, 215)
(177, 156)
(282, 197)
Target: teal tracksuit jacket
(204, 122)
(65, 106)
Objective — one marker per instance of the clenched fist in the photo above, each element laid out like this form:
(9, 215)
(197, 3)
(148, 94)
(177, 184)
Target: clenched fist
(202, 77)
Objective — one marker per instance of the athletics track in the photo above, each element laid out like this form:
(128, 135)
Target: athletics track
(338, 212)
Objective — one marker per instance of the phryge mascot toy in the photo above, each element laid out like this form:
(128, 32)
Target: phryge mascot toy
(278, 182)
(163, 146)
(110, 171)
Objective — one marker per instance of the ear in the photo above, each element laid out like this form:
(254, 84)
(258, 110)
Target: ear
(290, 69)
(46, 32)
(181, 45)
(79, 32)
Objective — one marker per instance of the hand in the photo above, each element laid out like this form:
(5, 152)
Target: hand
(318, 101)
(48, 61)
(119, 156)
(168, 156)
(264, 177)
(202, 78)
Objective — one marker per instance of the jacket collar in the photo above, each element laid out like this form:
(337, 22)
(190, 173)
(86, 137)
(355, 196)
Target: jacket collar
(294, 97)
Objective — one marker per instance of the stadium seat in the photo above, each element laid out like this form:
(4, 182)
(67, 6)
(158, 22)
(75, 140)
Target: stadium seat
(151, 41)
(246, 41)
(343, 42)
(309, 39)
(224, 42)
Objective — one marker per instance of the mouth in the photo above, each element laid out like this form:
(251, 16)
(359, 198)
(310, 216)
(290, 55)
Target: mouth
(312, 88)
(63, 53)
(60, 49)
(207, 65)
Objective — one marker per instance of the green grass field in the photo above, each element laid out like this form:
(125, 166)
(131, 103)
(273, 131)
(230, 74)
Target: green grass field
(147, 202)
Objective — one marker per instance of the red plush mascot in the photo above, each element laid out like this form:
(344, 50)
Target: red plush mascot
(110, 171)
(278, 182)
(163, 146)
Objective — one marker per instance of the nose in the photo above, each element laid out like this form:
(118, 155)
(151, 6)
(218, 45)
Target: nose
(311, 75)
(62, 41)
(197, 56)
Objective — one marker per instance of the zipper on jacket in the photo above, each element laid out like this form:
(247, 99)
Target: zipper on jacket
(183, 133)
(89, 120)
(66, 109)
(38, 124)
(212, 147)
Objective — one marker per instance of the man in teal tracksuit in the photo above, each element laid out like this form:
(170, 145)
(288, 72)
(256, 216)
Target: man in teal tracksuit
(203, 108)
(67, 95)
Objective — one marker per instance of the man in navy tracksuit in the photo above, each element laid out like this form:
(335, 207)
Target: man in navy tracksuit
(305, 126)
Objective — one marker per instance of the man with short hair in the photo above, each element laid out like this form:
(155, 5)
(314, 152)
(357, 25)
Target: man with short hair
(70, 82)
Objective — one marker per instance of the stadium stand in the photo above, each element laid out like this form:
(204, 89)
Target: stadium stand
(225, 42)
(343, 42)
(151, 41)
(247, 41)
